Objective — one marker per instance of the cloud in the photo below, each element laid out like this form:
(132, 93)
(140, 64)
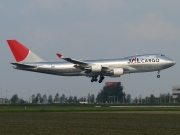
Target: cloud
(152, 27)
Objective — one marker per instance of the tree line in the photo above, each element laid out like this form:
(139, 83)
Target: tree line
(109, 94)
(38, 99)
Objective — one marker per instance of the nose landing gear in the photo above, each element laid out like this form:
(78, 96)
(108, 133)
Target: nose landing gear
(158, 76)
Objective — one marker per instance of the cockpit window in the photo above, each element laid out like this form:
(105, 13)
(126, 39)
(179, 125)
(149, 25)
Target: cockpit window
(162, 55)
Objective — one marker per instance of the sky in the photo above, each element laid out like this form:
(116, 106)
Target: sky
(89, 29)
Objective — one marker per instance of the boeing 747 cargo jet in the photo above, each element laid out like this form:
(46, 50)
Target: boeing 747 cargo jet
(28, 61)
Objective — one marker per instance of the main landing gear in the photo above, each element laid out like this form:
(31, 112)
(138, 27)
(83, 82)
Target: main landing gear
(158, 76)
(101, 78)
(94, 78)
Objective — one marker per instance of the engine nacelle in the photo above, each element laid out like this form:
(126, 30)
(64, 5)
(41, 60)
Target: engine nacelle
(96, 68)
(117, 72)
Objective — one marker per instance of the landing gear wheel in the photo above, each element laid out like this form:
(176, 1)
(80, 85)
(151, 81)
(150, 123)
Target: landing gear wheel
(158, 76)
(94, 79)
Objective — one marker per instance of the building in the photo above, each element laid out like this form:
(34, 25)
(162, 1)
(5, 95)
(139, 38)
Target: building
(112, 83)
(30, 100)
(175, 91)
(3, 100)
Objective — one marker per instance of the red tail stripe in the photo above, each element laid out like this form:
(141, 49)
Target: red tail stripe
(19, 51)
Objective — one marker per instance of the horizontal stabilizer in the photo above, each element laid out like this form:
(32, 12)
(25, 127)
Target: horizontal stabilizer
(23, 65)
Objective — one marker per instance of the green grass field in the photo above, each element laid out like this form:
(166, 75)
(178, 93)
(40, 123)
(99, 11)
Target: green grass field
(82, 108)
(85, 119)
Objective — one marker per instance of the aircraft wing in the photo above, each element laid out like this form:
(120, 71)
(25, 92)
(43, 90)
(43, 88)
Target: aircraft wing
(77, 62)
(87, 65)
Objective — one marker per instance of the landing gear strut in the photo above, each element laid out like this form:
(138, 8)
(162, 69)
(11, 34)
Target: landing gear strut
(101, 78)
(158, 76)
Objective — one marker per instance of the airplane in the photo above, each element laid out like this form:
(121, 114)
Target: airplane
(29, 61)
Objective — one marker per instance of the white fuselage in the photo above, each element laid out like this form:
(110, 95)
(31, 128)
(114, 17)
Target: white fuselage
(132, 64)
(29, 61)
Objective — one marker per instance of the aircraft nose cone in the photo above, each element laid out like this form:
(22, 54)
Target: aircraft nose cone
(174, 62)
(171, 62)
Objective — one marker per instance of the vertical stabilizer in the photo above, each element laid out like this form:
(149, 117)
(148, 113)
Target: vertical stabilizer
(22, 53)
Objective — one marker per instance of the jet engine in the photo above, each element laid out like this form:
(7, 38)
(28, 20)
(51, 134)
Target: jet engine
(96, 68)
(117, 72)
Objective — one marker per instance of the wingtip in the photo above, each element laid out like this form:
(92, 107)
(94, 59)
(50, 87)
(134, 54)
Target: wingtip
(60, 55)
